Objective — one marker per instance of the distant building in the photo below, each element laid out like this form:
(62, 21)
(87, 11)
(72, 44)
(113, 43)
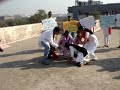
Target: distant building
(90, 2)
(1, 18)
(6, 18)
(83, 9)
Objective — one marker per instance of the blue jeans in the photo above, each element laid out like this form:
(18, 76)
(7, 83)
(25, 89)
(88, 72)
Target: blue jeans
(46, 50)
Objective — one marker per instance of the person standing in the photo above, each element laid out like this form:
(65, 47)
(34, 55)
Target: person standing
(72, 33)
(49, 14)
(106, 32)
(45, 40)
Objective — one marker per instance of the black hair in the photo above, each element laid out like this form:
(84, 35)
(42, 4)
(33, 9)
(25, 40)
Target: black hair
(88, 31)
(69, 16)
(56, 29)
(80, 27)
(83, 28)
(49, 13)
(78, 31)
(66, 32)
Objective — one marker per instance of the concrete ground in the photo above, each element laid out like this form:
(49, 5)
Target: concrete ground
(20, 68)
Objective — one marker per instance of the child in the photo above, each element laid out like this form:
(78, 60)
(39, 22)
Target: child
(65, 38)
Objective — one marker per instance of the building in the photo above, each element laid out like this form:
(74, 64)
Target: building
(90, 2)
(6, 18)
(83, 9)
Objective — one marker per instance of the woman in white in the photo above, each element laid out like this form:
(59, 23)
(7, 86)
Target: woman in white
(91, 44)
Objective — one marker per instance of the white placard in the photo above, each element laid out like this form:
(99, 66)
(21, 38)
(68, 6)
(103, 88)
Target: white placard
(118, 20)
(88, 22)
(49, 24)
(107, 21)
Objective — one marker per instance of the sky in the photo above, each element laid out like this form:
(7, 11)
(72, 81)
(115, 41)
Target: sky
(29, 7)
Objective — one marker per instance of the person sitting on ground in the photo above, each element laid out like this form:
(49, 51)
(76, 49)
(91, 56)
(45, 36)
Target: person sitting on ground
(65, 38)
(78, 53)
(78, 39)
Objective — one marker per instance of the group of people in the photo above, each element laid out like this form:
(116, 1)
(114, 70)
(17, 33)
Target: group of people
(81, 48)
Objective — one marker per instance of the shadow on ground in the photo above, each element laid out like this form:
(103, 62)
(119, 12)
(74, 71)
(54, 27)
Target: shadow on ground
(110, 65)
(22, 52)
(35, 63)
(117, 77)
(102, 50)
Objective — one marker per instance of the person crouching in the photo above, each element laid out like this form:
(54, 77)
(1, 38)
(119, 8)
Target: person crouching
(45, 40)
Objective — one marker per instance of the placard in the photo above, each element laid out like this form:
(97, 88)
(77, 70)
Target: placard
(88, 22)
(49, 24)
(117, 20)
(70, 26)
(107, 21)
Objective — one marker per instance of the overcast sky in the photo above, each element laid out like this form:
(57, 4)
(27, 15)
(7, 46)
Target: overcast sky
(29, 7)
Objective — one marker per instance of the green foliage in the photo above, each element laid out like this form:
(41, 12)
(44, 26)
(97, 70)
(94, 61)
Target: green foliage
(38, 16)
(96, 14)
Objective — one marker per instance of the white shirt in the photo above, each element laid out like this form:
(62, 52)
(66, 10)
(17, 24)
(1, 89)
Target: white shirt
(106, 31)
(93, 39)
(47, 37)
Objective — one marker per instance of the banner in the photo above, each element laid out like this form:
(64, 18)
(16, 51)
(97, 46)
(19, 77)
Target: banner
(70, 26)
(88, 22)
(117, 20)
(49, 23)
(107, 21)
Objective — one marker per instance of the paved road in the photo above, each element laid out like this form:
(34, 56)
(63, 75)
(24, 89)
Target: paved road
(20, 70)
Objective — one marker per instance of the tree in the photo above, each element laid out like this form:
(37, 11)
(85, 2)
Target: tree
(38, 16)
(96, 14)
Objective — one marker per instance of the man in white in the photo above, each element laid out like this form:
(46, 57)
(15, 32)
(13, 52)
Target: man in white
(45, 40)
(106, 36)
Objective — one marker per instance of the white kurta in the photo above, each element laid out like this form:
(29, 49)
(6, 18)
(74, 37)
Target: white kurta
(80, 57)
(106, 36)
(91, 45)
(47, 38)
